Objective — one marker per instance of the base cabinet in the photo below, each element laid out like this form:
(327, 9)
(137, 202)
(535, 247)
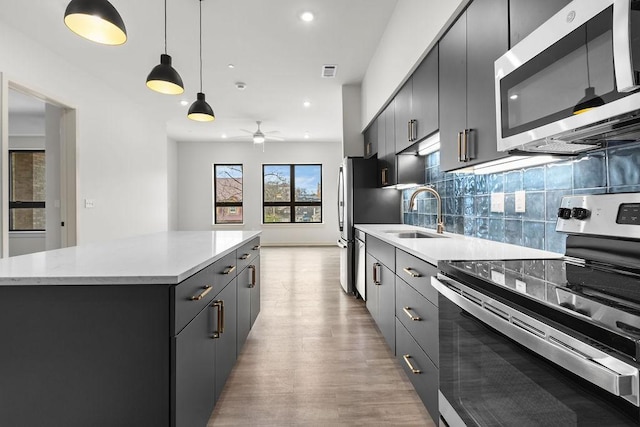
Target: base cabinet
(421, 371)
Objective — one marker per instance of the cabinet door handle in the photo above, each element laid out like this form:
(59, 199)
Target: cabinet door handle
(411, 316)
(202, 294)
(376, 273)
(406, 358)
(411, 272)
(465, 147)
(413, 124)
(229, 269)
(253, 276)
(409, 134)
(384, 176)
(245, 256)
(459, 146)
(220, 327)
(257, 247)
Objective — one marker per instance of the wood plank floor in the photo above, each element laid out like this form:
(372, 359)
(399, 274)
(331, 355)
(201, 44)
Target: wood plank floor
(314, 356)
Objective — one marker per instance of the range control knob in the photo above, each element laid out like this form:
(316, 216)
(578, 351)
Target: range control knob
(580, 213)
(564, 213)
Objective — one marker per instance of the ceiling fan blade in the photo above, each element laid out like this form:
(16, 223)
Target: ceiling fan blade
(274, 138)
(247, 131)
(245, 137)
(272, 131)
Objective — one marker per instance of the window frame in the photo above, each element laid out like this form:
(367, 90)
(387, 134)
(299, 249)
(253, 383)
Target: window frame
(292, 204)
(217, 204)
(23, 204)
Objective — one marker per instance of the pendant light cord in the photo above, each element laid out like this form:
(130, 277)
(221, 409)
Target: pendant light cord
(165, 27)
(200, 45)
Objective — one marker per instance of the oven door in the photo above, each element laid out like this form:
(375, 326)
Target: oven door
(490, 379)
(586, 50)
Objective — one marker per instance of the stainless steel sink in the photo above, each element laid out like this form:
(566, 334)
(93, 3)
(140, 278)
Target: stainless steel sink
(417, 235)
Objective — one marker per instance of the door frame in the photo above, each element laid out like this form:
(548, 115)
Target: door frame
(68, 163)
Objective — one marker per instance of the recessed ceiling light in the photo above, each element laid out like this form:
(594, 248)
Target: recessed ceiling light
(514, 96)
(306, 16)
(224, 136)
(231, 66)
(306, 135)
(184, 103)
(307, 104)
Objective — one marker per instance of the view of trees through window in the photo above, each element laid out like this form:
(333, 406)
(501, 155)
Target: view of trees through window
(27, 190)
(228, 194)
(292, 193)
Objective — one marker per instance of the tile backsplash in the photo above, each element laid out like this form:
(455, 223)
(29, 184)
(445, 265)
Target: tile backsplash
(466, 198)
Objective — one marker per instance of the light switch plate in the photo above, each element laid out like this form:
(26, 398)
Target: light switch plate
(520, 201)
(497, 202)
(89, 203)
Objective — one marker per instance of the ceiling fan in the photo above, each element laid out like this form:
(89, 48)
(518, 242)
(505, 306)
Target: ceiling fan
(259, 137)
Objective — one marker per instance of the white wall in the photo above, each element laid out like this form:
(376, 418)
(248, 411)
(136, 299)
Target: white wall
(122, 151)
(195, 187)
(414, 28)
(172, 182)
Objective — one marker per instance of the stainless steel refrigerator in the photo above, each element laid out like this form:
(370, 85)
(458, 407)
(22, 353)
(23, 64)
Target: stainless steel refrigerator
(360, 201)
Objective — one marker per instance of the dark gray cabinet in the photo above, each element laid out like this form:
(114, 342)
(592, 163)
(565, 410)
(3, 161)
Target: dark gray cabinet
(226, 347)
(255, 292)
(248, 289)
(526, 15)
(380, 284)
(125, 355)
(194, 350)
(371, 140)
(466, 84)
(416, 115)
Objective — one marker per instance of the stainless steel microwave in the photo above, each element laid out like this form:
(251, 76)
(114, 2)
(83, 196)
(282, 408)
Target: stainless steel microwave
(572, 84)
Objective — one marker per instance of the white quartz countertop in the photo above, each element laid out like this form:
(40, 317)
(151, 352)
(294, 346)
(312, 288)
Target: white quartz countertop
(160, 258)
(452, 246)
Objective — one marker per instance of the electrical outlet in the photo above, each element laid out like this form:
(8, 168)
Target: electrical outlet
(521, 201)
(497, 202)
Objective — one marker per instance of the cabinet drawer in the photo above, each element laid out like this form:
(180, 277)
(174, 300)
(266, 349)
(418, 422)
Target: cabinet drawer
(383, 252)
(425, 376)
(419, 316)
(417, 273)
(247, 253)
(193, 294)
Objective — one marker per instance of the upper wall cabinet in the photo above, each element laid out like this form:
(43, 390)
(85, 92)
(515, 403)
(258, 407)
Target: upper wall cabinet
(526, 15)
(371, 140)
(467, 98)
(416, 114)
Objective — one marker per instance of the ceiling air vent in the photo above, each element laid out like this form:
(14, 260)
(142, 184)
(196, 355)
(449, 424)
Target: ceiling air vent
(329, 71)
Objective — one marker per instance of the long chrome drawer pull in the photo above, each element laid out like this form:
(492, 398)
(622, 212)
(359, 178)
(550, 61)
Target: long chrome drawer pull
(202, 294)
(406, 358)
(253, 276)
(411, 316)
(411, 272)
(245, 256)
(229, 269)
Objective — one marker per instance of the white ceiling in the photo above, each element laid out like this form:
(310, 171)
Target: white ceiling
(277, 55)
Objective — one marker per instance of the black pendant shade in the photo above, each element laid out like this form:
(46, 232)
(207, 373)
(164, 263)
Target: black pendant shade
(164, 78)
(588, 102)
(200, 110)
(96, 20)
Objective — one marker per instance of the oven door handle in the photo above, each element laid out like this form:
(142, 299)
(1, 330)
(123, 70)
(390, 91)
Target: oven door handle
(589, 363)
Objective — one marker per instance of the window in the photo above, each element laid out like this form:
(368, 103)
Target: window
(292, 193)
(27, 190)
(228, 194)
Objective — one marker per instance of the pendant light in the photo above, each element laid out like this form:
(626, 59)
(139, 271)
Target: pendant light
(201, 111)
(96, 20)
(164, 78)
(590, 100)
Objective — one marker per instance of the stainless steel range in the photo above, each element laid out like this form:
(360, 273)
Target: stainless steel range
(547, 342)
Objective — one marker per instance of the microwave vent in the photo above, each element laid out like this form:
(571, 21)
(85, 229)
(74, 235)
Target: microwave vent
(563, 147)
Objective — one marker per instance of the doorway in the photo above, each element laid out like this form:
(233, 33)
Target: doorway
(38, 176)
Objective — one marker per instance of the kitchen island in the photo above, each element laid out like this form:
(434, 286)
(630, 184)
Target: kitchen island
(135, 332)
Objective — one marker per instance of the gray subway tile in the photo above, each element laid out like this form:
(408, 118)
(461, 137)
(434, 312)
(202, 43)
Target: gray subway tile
(590, 171)
(533, 234)
(533, 179)
(496, 229)
(534, 205)
(558, 176)
(513, 231)
(513, 181)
